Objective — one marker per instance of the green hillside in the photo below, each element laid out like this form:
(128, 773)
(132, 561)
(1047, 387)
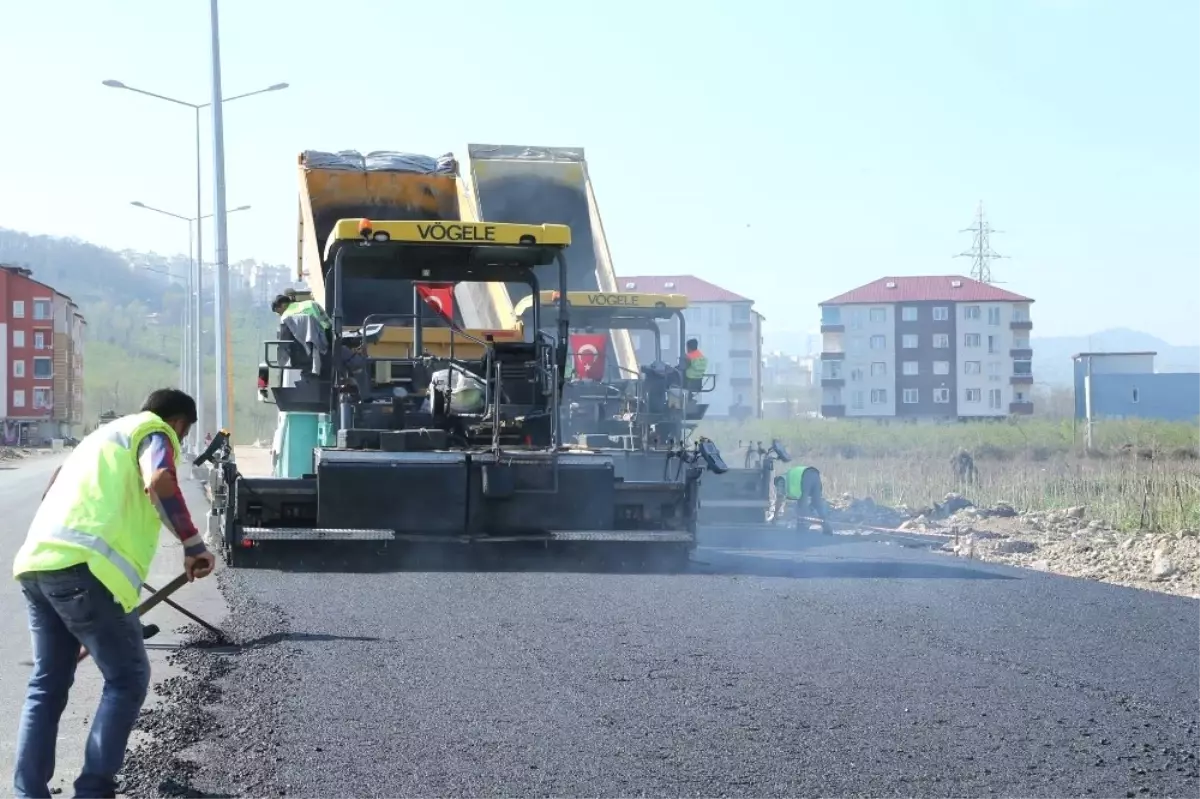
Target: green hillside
(134, 311)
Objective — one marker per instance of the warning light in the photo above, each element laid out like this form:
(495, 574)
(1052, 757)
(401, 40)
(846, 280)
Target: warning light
(364, 228)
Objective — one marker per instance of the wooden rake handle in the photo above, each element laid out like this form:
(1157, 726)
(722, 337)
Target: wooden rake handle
(151, 601)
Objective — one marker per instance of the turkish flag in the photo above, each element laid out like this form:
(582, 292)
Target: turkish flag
(589, 350)
(439, 297)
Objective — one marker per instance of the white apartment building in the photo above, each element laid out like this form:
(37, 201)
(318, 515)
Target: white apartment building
(728, 331)
(926, 347)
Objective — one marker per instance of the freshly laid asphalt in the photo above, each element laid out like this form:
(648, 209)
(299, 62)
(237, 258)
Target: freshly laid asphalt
(779, 665)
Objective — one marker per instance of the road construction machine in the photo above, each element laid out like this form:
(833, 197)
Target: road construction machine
(640, 415)
(428, 429)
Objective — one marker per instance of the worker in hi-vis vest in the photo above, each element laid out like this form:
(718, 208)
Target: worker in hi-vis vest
(802, 485)
(81, 569)
(697, 366)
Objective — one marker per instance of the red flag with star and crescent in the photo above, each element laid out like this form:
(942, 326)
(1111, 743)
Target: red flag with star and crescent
(589, 351)
(439, 297)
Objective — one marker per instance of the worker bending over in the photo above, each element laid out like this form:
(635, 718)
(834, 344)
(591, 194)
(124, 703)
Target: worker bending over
(802, 484)
(81, 569)
(306, 323)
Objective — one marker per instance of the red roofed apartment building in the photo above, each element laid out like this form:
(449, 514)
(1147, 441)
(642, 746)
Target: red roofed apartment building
(728, 330)
(41, 360)
(926, 347)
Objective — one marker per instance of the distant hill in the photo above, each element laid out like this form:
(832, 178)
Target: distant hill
(1052, 354)
(133, 308)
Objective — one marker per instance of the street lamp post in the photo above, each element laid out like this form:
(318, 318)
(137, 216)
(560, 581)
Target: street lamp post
(192, 369)
(198, 272)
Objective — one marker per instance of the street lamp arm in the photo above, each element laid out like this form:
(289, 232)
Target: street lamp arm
(275, 88)
(161, 211)
(118, 85)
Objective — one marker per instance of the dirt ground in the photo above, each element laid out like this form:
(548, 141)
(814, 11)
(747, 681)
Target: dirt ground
(1066, 541)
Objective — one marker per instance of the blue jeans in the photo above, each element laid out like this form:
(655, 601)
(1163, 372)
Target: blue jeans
(68, 608)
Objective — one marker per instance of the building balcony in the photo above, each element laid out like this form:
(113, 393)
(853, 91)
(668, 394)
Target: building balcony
(741, 353)
(1021, 324)
(746, 325)
(833, 356)
(833, 328)
(741, 381)
(833, 382)
(1021, 353)
(833, 411)
(1021, 408)
(1021, 380)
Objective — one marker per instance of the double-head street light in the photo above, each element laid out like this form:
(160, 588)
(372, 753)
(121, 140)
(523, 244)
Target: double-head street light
(224, 365)
(191, 365)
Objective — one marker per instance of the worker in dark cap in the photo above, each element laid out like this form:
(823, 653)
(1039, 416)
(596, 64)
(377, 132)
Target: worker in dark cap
(305, 322)
(802, 485)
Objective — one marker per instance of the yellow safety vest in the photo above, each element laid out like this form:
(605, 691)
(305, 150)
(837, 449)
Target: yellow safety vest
(697, 364)
(307, 308)
(795, 479)
(98, 512)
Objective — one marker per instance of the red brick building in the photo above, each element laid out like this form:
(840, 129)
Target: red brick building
(41, 355)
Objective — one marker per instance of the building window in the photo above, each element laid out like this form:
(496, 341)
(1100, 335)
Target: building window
(908, 313)
(993, 346)
(18, 313)
(971, 312)
(1135, 395)
(1022, 367)
(18, 338)
(973, 394)
(994, 372)
(879, 369)
(994, 399)
(1020, 343)
(1020, 313)
(43, 368)
(19, 368)
(941, 367)
(971, 340)
(879, 396)
(39, 340)
(831, 370)
(856, 375)
(972, 367)
(42, 398)
(878, 342)
(941, 313)
(993, 314)
(856, 319)
(909, 341)
(911, 396)
(831, 315)
(740, 313)
(941, 396)
(714, 316)
(19, 398)
(941, 341)
(878, 315)
(911, 368)
(41, 310)
(856, 400)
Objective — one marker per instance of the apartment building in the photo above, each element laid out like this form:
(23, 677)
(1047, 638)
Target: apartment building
(926, 347)
(728, 331)
(41, 359)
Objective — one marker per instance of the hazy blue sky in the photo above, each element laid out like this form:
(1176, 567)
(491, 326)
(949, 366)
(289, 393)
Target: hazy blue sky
(786, 150)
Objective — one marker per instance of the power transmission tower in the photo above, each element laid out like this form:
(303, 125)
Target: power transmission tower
(981, 252)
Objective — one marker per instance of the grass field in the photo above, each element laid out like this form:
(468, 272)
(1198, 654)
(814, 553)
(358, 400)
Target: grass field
(1139, 475)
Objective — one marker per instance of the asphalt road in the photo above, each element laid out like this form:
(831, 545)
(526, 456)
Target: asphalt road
(779, 667)
(21, 485)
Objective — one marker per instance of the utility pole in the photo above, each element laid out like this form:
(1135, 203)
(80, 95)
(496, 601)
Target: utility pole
(981, 252)
(224, 360)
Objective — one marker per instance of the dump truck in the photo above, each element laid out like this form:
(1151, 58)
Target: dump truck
(425, 428)
(641, 414)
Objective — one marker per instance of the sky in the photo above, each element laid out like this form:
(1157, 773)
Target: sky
(788, 151)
